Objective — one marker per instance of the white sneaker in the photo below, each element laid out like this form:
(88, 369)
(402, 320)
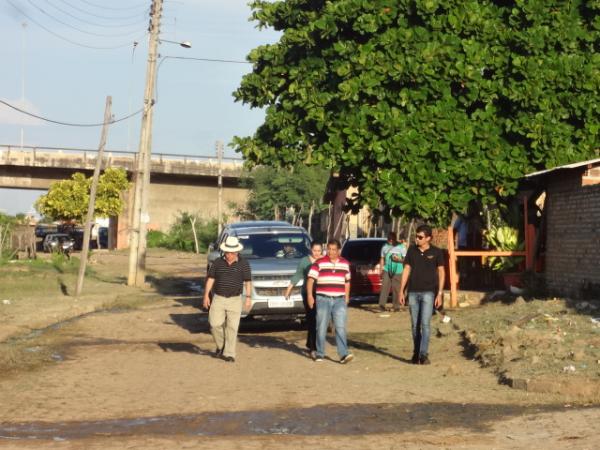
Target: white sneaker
(346, 359)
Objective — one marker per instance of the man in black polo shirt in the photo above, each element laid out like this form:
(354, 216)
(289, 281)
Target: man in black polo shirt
(226, 278)
(424, 274)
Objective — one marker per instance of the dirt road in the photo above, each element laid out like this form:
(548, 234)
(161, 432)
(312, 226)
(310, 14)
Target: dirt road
(145, 379)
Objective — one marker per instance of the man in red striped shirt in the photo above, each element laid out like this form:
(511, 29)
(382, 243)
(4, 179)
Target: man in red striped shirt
(332, 276)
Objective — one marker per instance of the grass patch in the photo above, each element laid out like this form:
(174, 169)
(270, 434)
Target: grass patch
(128, 302)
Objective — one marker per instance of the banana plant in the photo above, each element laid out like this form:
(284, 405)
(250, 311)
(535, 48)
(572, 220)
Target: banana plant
(504, 238)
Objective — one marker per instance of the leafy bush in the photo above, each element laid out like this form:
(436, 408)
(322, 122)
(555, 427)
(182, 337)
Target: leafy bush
(155, 239)
(181, 234)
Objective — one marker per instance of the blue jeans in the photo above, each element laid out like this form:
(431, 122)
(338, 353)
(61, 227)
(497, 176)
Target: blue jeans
(334, 308)
(421, 309)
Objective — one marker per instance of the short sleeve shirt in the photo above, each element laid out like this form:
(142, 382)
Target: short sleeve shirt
(331, 277)
(229, 279)
(389, 265)
(423, 268)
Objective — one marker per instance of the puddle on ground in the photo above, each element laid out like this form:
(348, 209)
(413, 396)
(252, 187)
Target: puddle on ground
(344, 420)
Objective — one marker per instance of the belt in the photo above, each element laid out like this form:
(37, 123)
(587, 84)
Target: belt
(228, 296)
(330, 296)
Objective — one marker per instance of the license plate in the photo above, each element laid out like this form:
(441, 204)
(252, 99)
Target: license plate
(280, 303)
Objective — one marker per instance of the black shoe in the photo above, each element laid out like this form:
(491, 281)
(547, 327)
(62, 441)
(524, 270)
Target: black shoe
(228, 358)
(415, 359)
(218, 353)
(424, 360)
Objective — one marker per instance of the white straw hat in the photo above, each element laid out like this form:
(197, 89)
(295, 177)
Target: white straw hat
(231, 245)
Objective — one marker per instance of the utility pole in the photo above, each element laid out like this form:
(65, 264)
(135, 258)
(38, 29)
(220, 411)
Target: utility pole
(220, 187)
(140, 219)
(85, 246)
(24, 27)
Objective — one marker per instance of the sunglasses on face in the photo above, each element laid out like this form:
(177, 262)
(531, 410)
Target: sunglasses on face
(420, 236)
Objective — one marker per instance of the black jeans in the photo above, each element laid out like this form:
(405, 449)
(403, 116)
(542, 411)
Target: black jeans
(311, 324)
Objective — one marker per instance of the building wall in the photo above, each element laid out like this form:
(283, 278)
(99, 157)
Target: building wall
(573, 233)
(168, 200)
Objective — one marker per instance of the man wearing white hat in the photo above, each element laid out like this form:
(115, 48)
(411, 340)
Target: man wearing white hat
(226, 278)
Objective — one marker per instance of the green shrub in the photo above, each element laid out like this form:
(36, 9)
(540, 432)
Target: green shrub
(155, 239)
(181, 236)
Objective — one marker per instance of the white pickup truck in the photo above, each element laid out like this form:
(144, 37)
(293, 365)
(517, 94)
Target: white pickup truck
(273, 250)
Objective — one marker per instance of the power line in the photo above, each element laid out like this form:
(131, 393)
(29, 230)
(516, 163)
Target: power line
(207, 59)
(163, 58)
(69, 123)
(77, 28)
(98, 15)
(64, 38)
(143, 20)
(113, 8)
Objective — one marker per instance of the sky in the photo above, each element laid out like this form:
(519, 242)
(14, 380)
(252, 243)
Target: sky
(59, 62)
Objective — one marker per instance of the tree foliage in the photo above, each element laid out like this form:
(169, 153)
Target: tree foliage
(181, 234)
(426, 104)
(68, 199)
(275, 191)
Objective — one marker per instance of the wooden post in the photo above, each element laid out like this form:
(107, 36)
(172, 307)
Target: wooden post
(526, 236)
(85, 246)
(531, 233)
(453, 276)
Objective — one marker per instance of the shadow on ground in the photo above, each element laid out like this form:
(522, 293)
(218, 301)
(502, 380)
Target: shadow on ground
(332, 420)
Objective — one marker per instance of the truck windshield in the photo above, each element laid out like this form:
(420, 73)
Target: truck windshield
(269, 245)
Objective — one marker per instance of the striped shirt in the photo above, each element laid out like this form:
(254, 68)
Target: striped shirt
(229, 279)
(331, 277)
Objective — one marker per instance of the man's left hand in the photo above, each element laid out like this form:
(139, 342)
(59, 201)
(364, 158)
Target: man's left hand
(438, 300)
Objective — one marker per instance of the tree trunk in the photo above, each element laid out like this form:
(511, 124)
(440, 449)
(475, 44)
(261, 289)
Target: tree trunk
(329, 221)
(310, 216)
(410, 230)
(193, 222)
(298, 217)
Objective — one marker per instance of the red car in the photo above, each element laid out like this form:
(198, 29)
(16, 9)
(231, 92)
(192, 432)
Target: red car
(364, 255)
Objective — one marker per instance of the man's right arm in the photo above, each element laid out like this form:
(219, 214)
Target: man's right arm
(310, 282)
(403, 283)
(209, 285)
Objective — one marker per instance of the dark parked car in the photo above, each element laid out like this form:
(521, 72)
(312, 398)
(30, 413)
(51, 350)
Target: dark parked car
(42, 230)
(58, 242)
(364, 255)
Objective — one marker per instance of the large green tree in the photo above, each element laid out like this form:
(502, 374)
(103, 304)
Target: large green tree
(426, 104)
(68, 199)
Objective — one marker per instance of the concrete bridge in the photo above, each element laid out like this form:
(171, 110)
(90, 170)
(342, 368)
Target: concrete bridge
(177, 183)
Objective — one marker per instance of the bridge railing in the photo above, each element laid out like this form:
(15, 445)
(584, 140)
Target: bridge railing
(39, 155)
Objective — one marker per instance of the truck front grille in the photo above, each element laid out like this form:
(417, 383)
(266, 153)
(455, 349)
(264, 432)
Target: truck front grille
(275, 291)
(271, 277)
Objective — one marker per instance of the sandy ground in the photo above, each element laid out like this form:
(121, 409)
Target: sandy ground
(146, 379)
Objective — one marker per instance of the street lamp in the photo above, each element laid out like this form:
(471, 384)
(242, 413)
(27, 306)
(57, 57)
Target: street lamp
(140, 217)
(184, 44)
